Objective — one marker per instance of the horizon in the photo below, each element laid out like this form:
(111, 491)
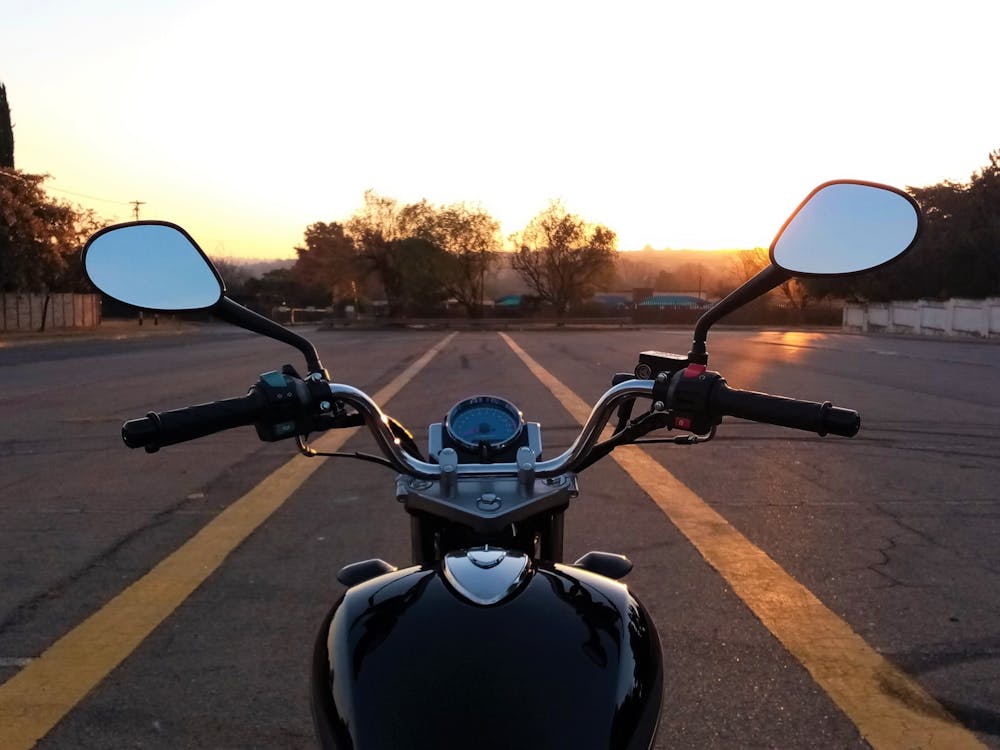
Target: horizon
(250, 259)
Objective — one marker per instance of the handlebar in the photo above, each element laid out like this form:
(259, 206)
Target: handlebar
(811, 416)
(569, 460)
(696, 392)
(156, 430)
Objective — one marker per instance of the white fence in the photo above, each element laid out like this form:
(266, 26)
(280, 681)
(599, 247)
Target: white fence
(963, 317)
(26, 312)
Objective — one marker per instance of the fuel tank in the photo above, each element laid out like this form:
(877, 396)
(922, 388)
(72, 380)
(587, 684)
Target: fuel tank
(487, 649)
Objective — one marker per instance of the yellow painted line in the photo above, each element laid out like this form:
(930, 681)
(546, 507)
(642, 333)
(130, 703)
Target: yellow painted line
(34, 700)
(890, 709)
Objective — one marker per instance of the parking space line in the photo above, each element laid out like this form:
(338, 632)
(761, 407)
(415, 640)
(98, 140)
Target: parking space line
(35, 699)
(890, 709)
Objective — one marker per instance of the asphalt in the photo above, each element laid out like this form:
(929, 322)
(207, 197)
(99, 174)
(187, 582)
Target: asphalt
(894, 530)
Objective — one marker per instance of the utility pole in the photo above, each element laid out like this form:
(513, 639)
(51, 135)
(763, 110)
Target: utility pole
(135, 212)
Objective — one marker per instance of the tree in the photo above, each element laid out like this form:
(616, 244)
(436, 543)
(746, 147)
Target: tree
(385, 234)
(962, 234)
(418, 263)
(6, 132)
(562, 258)
(956, 255)
(470, 236)
(664, 280)
(279, 286)
(745, 264)
(40, 238)
(373, 227)
(235, 275)
(329, 260)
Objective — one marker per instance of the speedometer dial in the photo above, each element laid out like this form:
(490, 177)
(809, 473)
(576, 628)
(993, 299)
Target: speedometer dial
(484, 419)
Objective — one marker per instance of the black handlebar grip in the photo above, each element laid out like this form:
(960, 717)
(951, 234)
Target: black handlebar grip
(811, 416)
(170, 427)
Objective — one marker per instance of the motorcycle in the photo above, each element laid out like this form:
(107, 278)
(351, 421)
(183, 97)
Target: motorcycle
(573, 658)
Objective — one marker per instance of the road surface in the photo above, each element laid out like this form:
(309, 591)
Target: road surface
(895, 531)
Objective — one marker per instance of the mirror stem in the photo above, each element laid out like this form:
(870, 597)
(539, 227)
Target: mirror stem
(233, 312)
(764, 281)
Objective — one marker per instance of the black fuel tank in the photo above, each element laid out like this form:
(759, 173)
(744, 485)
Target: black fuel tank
(553, 657)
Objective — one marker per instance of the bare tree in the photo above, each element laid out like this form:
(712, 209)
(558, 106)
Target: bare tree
(373, 228)
(744, 264)
(562, 258)
(747, 263)
(472, 239)
(234, 274)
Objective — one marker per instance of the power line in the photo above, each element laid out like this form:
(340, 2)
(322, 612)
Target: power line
(46, 188)
(88, 197)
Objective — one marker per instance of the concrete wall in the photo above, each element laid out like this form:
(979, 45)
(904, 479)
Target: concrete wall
(23, 312)
(964, 317)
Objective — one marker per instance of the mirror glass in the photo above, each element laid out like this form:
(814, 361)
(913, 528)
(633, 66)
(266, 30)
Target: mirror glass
(846, 227)
(155, 266)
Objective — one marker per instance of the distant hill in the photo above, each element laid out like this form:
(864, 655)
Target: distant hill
(255, 267)
(708, 272)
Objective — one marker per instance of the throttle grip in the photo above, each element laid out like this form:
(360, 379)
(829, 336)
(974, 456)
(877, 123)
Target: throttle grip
(811, 416)
(156, 430)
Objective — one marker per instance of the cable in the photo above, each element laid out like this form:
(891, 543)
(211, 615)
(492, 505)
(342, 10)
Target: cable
(15, 176)
(89, 197)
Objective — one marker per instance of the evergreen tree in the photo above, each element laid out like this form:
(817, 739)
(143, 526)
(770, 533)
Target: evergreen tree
(6, 132)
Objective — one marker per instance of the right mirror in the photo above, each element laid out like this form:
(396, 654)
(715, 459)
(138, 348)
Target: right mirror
(846, 227)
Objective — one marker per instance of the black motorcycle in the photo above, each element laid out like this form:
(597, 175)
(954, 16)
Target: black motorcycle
(573, 659)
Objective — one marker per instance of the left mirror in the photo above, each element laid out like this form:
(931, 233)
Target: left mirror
(153, 265)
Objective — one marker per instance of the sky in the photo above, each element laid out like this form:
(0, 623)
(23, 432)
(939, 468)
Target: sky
(676, 124)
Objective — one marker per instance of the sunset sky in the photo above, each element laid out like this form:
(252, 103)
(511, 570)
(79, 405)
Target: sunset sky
(683, 125)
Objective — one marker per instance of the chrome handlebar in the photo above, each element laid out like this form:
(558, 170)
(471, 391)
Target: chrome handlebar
(378, 423)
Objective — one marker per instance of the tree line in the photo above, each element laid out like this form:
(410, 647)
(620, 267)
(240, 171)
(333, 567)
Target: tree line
(956, 255)
(418, 255)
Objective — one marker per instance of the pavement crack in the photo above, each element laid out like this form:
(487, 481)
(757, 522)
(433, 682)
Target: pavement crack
(26, 610)
(895, 517)
(880, 567)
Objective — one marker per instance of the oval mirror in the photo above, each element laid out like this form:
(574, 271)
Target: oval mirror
(153, 265)
(845, 227)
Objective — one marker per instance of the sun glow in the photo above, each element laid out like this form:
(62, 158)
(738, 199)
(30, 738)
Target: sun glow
(676, 126)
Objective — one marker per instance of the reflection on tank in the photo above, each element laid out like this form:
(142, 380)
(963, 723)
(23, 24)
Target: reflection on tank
(385, 608)
(573, 649)
(597, 616)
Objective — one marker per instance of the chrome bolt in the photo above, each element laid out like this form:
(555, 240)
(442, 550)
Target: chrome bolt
(324, 406)
(659, 406)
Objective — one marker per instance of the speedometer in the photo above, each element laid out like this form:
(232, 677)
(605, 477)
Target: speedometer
(481, 420)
